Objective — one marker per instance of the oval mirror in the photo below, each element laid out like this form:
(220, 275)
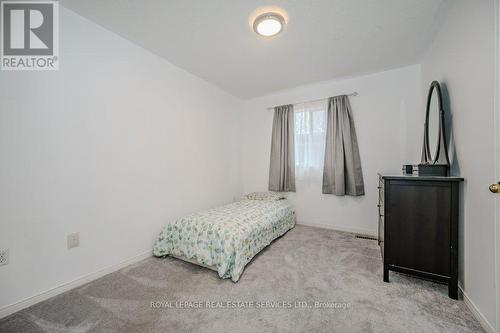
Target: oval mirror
(433, 123)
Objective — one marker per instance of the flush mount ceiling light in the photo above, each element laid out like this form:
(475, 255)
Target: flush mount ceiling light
(269, 24)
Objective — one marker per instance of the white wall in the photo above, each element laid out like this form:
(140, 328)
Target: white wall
(113, 145)
(387, 109)
(462, 59)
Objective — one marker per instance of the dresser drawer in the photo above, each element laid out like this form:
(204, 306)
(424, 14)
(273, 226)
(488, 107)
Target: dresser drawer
(380, 212)
(380, 192)
(381, 226)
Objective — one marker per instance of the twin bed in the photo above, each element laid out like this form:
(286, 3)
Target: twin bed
(226, 238)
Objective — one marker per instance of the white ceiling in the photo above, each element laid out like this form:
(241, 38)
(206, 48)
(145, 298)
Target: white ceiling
(323, 39)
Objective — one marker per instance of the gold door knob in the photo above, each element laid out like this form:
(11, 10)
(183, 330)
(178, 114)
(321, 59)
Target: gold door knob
(495, 188)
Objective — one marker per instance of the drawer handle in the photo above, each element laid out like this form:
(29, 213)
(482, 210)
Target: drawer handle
(379, 187)
(381, 215)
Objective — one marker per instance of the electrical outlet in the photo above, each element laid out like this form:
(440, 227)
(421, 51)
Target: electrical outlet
(4, 257)
(73, 240)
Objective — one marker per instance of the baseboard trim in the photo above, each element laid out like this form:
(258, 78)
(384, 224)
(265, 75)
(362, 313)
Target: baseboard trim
(363, 232)
(32, 300)
(475, 311)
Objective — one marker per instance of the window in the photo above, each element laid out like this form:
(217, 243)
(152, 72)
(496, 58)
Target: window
(310, 136)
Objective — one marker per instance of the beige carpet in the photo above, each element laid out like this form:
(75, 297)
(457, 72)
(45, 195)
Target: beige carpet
(277, 293)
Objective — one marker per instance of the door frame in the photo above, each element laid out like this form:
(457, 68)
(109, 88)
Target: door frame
(496, 115)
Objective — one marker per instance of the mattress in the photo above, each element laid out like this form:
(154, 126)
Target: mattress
(226, 238)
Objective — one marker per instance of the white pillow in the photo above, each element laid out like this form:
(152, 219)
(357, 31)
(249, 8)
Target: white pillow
(269, 196)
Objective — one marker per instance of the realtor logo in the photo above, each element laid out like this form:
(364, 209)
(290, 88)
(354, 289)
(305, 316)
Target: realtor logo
(29, 35)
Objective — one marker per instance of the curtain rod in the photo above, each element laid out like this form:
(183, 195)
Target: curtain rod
(355, 93)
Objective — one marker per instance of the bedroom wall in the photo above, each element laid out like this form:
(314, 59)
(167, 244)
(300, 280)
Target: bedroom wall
(386, 112)
(113, 145)
(462, 59)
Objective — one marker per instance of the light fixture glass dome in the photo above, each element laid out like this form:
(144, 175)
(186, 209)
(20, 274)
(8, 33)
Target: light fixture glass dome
(268, 24)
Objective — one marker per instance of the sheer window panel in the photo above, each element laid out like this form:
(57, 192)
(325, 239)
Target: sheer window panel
(310, 136)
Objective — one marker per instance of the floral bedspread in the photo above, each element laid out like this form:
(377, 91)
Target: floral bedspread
(226, 237)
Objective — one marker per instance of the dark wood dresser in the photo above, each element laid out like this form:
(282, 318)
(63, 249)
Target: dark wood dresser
(418, 227)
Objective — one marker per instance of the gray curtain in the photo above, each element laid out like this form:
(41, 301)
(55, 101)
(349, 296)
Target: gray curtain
(342, 174)
(282, 168)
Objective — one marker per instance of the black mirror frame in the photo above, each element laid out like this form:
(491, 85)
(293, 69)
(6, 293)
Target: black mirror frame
(426, 154)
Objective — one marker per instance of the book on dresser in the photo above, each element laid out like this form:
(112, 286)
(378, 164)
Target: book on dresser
(418, 227)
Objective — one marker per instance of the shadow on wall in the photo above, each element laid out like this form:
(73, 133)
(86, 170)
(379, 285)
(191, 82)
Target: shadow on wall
(454, 171)
(448, 125)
